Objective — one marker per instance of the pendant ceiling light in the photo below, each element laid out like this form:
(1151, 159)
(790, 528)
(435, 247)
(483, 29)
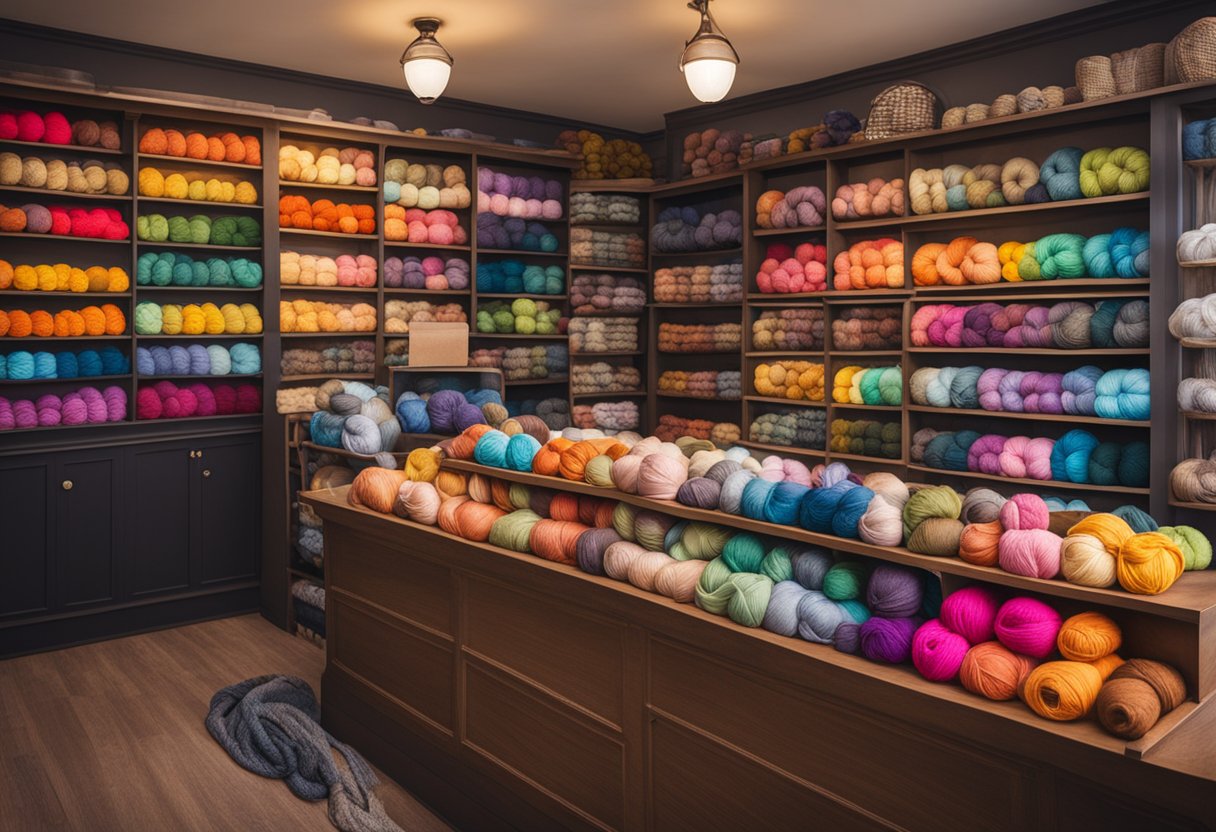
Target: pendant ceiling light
(709, 61)
(426, 63)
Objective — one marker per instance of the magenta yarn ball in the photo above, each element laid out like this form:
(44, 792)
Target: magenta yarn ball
(1024, 511)
(75, 412)
(888, 639)
(1027, 626)
(937, 652)
(147, 404)
(971, 612)
(25, 415)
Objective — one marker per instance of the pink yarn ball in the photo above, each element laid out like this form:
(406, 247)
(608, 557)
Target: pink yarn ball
(114, 400)
(500, 204)
(1024, 511)
(551, 209)
(75, 411)
(8, 129)
(1034, 553)
(50, 410)
(206, 399)
(516, 206)
(660, 476)
(98, 412)
(25, 414)
(1027, 626)
(147, 404)
(533, 209)
(441, 235)
(971, 612)
(937, 653)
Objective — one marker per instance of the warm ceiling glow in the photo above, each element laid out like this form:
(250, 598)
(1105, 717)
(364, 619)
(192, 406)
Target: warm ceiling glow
(709, 60)
(426, 64)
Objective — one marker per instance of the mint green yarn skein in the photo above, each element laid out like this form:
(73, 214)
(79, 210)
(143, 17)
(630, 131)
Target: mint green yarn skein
(744, 553)
(749, 601)
(714, 589)
(845, 580)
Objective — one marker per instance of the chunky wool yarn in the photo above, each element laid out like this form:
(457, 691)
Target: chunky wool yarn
(1065, 691)
(155, 183)
(593, 294)
(722, 283)
(426, 186)
(865, 437)
(615, 209)
(1136, 695)
(437, 227)
(801, 207)
(222, 147)
(712, 151)
(168, 269)
(434, 273)
(689, 229)
(866, 327)
(81, 406)
(318, 316)
(868, 200)
(88, 177)
(788, 270)
(870, 264)
(1121, 170)
(699, 338)
(399, 314)
(166, 400)
(519, 196)
(795, 380)
(590, 335)
(801, 428)
(61, 277)
(602, 248)
(94, 223)
(328, 166)
(993, 671)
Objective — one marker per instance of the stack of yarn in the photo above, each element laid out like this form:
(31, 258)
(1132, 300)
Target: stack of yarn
(515, 233)
(706, 384)
(20, 365)
(615, 159)
(354, 416)
(795, 380)
(1198, 245)
(711, 151)
(448, 411)
(434, 273)
(522, 315)
(703, 338)
(346, 357)
(509, 276)
(688, 229)
(528, 197)
(722, 283)
(874, 199)
(593, 294)
(166, 400)
(589, 335)
(396, 352)
(88, 177)
(61, 221)
(295, 400)
(84, 406)
(61, 277)
(610, 417)
(615, 209)
(199, 360)
(837, 127)
(1194, 318)
(965, 260)
(1199, 139)
(787, 270)
(554, 412)
(1065, 325)
(164, 268)
(1029, 100)
(399, 314)
(539, 361)
(221, 231)
(867, 328)
(426, 186)
(91, 321)
(297, 269)
(672, 427)
(607, 248)
(317, 316)
(873, 386)
(1085, 391)
(870, 264)
(1194, 480)
(805, 427)
(788, 329)
(308, 604)
(296, 211)
(865, 437)
(330, 166)
(155, 183)
(222, 147)
(801, 207)
(438, 227)
(53, 127)
(198, 319)
(602, 377)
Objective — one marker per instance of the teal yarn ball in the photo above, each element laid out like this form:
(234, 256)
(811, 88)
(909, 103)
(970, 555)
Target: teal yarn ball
(326, 428)
(1123, 394)
(1060, 256)
(782, 503)
(672, 536)
(857, 612)
(964, 387)
(1096, 254)
(520, 450)
(246, 359)
(1061, 174)
(1070, 456)
(491, 449)
(846, 580)
(853, 504)
(755, 494)
(819, 506)
(1137, 518)
(744, 552)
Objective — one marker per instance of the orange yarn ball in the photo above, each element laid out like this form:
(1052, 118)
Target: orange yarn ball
(994, 671)
(978, 543)
(1088, 636)
(564, 506)
(376, 489)
(19, 325)
(1064, 691)
(474, 519)
(556, 540)
(548, 459)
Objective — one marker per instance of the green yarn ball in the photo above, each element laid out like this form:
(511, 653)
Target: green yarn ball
(845, 580)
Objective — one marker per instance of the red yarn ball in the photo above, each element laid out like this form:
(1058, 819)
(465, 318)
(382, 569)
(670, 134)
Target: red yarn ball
(206, 400)
(61, 222)
(30, 127)
(8, 125)
(225, 399)
(147, 404)
(58, 130)
(248, 399)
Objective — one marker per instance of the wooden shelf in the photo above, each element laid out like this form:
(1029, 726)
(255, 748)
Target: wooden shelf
(1085, 204)
(882, 460)
(1006, 351)
(1187, 600)
(802, 355)
(622, 394)
(1197, 264)
(785, 232)
(164, 200)
(668, 394)
(1197, 416)
(890, 408)
(781, 449)
(1021, 288)
(1095, 421)
(60, 148)
(217, 418)
(55, 339)
(353, 334)
(698, 352)
(327, 376)
(706, 252)
(617, 227)
(424, 246)
(195, 377)
(781, 401)
(779, 298)
(710, 304)
(518, 336)
(517, 295)
(519, 252)
(1200, 164)
(183, 160)
(22, 189)
(200, 246)
(1191, 505)
(297, 287)
(86, 380)
(877, 222)
(308, 232)
(60, 238)
(610, 354)
(1198, 343)
(152, 288)
(202, 336)
(535, 382)
(321, 186)
(574, 267)
(1059, 484)
(451, 293)
(865, 353)
(13, 294)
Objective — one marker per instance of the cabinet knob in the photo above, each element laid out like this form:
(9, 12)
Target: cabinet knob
(206, 472)
(67, 485)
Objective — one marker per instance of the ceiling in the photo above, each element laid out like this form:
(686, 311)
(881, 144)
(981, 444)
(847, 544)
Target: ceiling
(612, 63)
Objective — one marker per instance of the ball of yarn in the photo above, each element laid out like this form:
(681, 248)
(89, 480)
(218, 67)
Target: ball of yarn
(1064, 691)
(1136, 695)
(1148, 563)
(894, 592)
(888, 639)
(937, 652)
(971, 612)
(1027, 626)
(993, 671)
(1088, 636)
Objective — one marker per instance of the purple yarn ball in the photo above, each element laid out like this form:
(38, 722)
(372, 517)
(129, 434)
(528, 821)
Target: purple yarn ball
(848, 637)
(888, 639)
(37, 218)
(894, 592)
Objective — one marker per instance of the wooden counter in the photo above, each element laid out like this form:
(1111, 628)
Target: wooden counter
(511, 692)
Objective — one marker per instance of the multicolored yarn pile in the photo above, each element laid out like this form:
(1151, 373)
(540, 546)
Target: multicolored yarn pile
(61, 277)
(602, 377)
(1065, 325)
(1121, 393)
(705, 384)
(794, 380)
(672, 427)
(64, 221)
(837, 127)
(530, 198)
(514, 233)
(84, 406)
(221, 147)
(296, 211)
(434, 273)
(330, 166)
(867, 328)
(1122, 253)
(690, 229)
(509, 276)
(53, 127)
(242, 231)
(538, 361)
(711, 151)
(158, 184)
(874, 386)
(439, 227)
(787, 270)
(166, 400)
(426, 186)
(866, 437)
(297, 269)
(617, 209)
(522, 315)
(554, 411)
(199, 360)
(92, 321)
(164, 268)
(448, 411)
(399, 314)
(345, 357)
(589, 247)
(198, 319)
(870, 264)
(592, 335)
(76, 177)
(801, 428)
(874, 199)
(610, 417)
(700, 338)
(21, 365)
(721, 283)
(788, 329)
(801, 207)
(318, 316)
(614, 159)
(593, 294)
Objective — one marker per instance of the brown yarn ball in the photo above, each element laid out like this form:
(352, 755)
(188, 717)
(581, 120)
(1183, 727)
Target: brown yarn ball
(1004, 105)
(936, 536)
(1072, 95)
(1167, 682)
(1128, 708)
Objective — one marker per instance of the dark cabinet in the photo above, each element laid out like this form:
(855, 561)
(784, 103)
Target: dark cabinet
(29, 535)
(229, 517)
(88, 489)
(159, 501)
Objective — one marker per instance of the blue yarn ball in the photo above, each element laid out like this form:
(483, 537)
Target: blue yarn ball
(3, 366)
(180, 358)
(852, 506)
(820, 504)
(45, 365)
(246, 359)
(818, 617)
(200, 360)
(163, 362)
(1070, 456)
(483, 397)
(1138, 519)
(1096, 254)
(1060, 173)
(783, 503)
(1059, 504)
(89, 363)
(491, 448)
(520, 450)
(21, 365)
(411, 413)
(326, 428)
(1194, 140)
(755, 493)
(113, 362)
(219, 359)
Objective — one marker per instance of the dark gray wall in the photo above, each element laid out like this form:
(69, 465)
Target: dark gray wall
(1038, 54)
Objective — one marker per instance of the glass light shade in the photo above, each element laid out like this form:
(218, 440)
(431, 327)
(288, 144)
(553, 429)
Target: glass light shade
(427, 78)
(709, 79)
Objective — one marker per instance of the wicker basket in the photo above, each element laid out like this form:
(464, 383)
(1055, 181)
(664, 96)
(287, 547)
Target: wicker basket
(1192, 53)
(1136, 70)
(1095, 78)
(906, 107)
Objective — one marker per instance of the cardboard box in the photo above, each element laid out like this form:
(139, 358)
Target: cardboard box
(436, 344)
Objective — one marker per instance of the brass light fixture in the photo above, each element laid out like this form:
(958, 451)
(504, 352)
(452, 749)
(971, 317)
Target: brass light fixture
(709, 60)
(426, 64)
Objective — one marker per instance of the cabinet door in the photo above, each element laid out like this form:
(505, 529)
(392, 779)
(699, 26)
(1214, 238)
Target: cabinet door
(158, 504)
(87, 521)
(26, 521)
(229, 509)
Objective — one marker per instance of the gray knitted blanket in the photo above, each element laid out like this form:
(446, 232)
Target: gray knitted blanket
(269, 726)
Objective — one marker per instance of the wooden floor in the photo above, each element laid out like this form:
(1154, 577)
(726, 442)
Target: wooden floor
(110, 736)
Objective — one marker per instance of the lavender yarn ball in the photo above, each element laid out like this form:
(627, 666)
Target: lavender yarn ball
(589, 551)
(699, 492)
(848, 638)
(442, 408)
(894, 592)
(810, 564)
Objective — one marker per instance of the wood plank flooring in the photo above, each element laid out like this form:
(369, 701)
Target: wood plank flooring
(110, 736)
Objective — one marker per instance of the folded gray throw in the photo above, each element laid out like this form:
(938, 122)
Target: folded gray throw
(269, 726)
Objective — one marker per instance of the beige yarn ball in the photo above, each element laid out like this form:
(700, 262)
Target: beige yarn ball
(954, 117)
(77, 184)
(95, 176)
(976, 112)
(1053, 96)
(10, 168)
(33, 172)
(1030, 99)
(56, 175)
(1004, 105)
(117, 182)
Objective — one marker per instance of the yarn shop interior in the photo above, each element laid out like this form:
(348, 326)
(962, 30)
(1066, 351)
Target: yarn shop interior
(416, 416)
